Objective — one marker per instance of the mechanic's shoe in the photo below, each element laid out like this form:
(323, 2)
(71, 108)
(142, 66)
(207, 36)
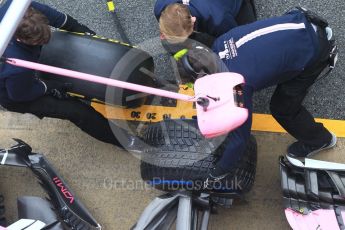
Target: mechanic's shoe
(216, 175)
(329, 33)
(301, 150)
(134, 145)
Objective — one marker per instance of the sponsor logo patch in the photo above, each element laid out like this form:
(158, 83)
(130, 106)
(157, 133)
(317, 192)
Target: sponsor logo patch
(230, 50)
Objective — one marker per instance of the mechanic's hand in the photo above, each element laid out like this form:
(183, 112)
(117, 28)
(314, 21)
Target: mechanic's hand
(73, 25)
(2, 60)
(58, 89)
(61, 95)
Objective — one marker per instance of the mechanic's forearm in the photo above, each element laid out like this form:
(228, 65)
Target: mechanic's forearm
(56, 18)
(21, 88)
(30, 95)
(71, 24)
(61, 20)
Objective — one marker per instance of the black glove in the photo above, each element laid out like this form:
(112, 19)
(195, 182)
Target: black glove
(2, 60)
(73, 25)
(58, 89)
(61, 95)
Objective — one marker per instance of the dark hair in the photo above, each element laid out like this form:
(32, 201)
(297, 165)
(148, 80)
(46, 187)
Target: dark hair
(34, 28)
(201, 60)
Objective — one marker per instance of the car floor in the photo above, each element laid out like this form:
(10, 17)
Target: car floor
(107, 180)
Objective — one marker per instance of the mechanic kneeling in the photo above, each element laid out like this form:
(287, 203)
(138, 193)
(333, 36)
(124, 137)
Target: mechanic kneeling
(288, 51)
(22, 91)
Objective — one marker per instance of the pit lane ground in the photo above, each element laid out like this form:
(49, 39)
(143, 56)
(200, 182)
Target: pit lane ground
(107, 179)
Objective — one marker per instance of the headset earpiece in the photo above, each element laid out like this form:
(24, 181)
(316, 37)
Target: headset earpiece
(190, 70)
(187, 67)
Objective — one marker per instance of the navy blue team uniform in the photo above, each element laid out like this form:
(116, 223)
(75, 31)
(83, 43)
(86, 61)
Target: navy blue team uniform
(213, 17)
(20, 84)
(288, 51)
(22, 91)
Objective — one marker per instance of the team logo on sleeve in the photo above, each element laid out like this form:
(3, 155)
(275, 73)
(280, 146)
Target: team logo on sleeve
(230, 50)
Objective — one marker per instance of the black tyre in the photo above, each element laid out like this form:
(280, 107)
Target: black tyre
(2, 211)
(100, 57)
(179, 157)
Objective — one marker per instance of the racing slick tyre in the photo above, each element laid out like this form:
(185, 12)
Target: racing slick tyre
(179, 157)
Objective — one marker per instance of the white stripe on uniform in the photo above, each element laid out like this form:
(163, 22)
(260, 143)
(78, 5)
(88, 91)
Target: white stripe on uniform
(185, 2)
(268, 30)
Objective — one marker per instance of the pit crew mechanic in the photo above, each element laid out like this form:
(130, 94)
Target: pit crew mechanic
(200, 20)
(288, 51)
(22, 91)
(214, 18)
